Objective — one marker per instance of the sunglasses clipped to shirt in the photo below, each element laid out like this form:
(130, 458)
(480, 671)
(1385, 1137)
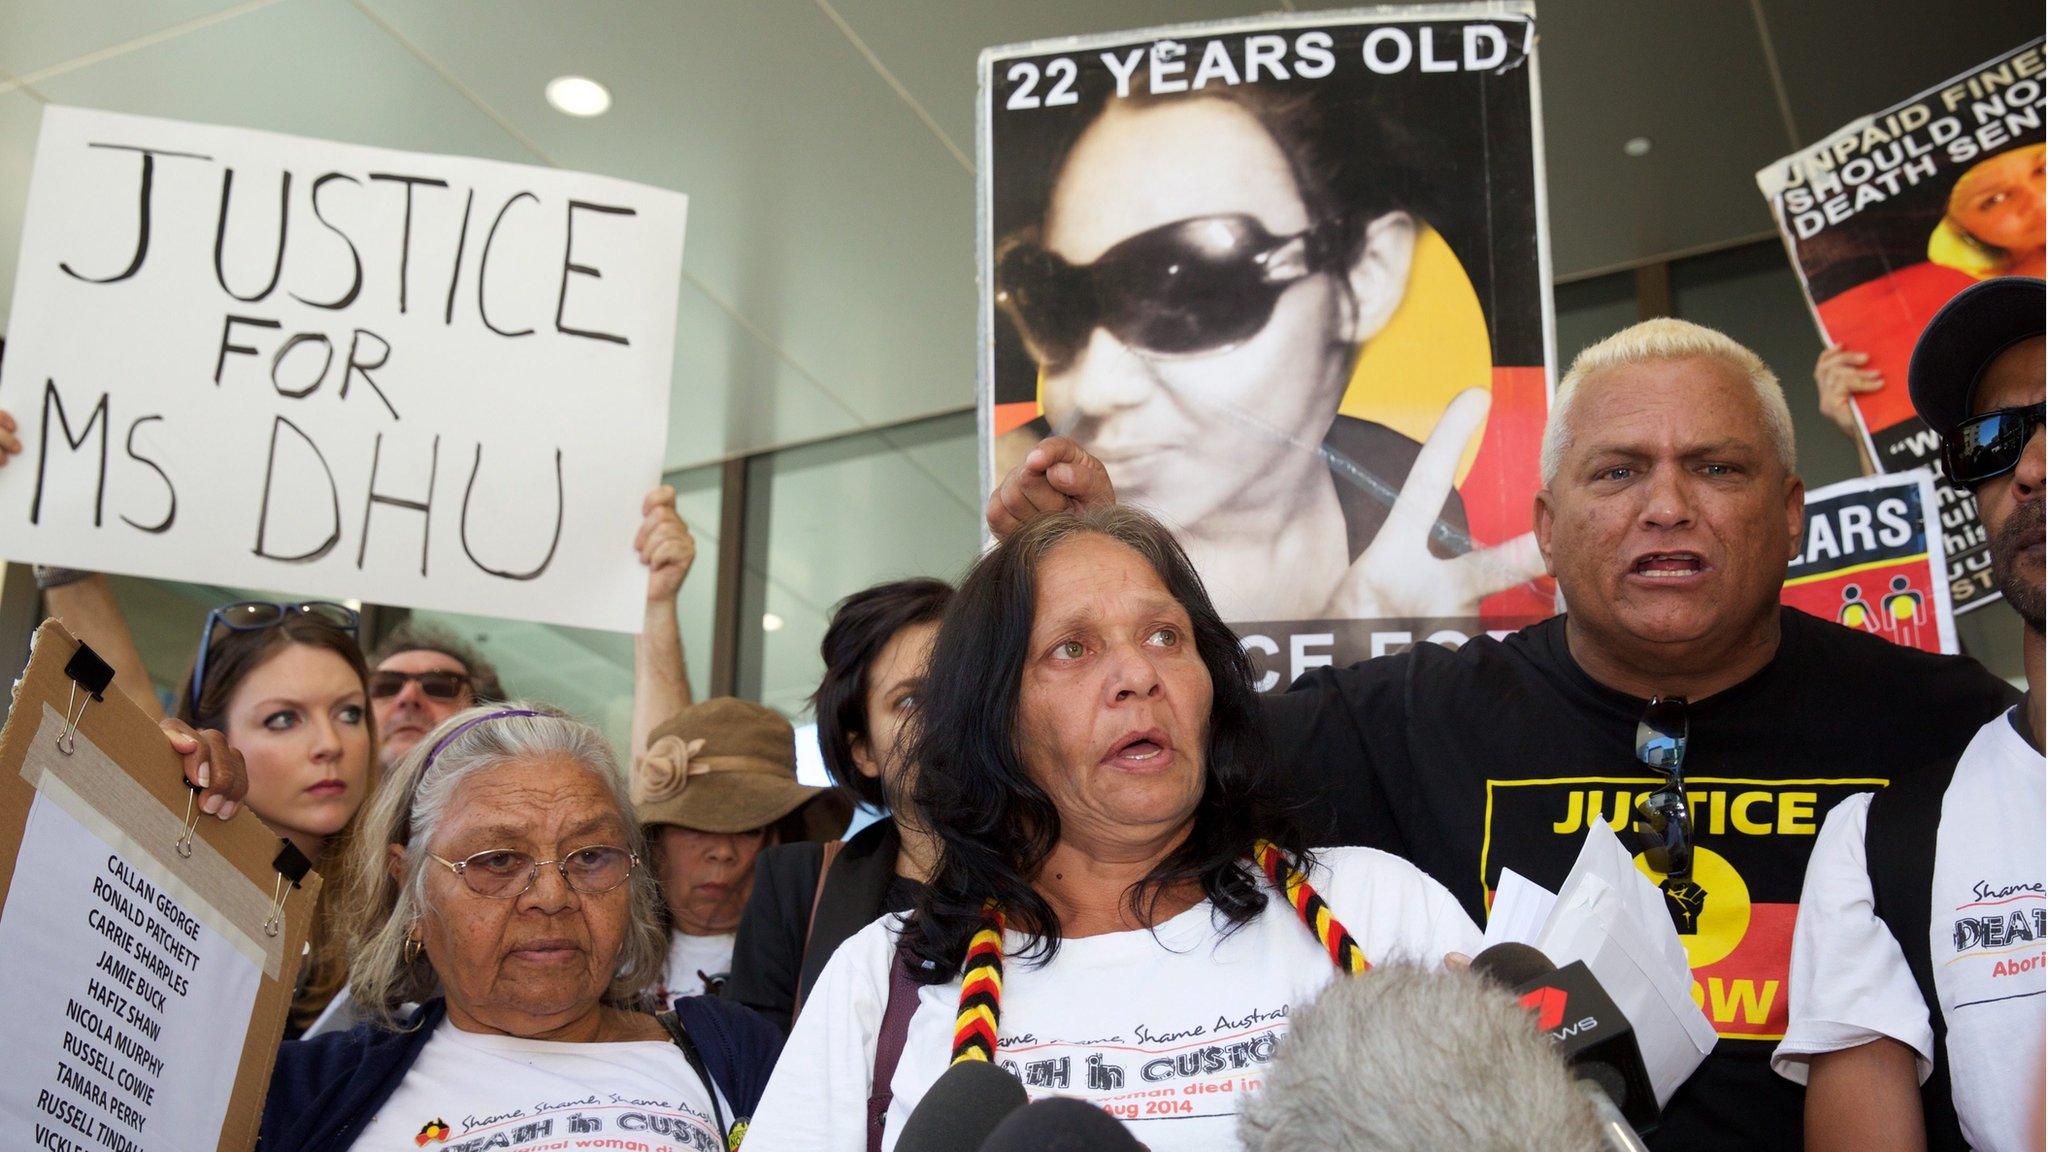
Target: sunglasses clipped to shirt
(255, 616)
(1987, 446)
(1181, 289)
(1663, 825)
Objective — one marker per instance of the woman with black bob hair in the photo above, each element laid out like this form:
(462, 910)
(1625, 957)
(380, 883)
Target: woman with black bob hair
(809, 897)
(1005, 824)
(1102, 918)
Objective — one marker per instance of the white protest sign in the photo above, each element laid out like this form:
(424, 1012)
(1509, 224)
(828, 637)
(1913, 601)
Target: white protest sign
(116, 997)
(244, 358)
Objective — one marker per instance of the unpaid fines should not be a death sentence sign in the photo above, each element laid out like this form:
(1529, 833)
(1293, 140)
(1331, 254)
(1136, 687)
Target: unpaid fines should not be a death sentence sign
(243, 358)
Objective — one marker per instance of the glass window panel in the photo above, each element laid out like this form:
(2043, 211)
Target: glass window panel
(1589, 311)
(841, 516)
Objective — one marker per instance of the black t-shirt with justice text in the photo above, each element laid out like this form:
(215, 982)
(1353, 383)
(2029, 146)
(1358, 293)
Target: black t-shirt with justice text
(1498, 754)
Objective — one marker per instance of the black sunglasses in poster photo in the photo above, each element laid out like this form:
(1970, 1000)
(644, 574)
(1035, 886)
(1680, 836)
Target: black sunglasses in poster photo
(1196, 404)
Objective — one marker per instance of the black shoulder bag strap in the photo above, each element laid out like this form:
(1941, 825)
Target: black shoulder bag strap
(695, 1059)
(1898, 839)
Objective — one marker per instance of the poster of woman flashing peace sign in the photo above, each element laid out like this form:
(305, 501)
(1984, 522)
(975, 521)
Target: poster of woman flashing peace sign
(1287, 278)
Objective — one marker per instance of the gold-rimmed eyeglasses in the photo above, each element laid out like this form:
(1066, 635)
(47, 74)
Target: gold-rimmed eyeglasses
(505, 873)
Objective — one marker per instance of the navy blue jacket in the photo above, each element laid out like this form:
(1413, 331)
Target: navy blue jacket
(324, 1090)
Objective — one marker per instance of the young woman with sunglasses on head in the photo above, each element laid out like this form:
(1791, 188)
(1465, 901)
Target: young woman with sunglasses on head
(287, 685)
(1195, 293)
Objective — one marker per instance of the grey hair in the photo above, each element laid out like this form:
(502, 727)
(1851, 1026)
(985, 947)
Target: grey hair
(1661, 339)
(1401, 1059)
(407, 808)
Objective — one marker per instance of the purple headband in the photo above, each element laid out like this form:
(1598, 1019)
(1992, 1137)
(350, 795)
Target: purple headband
(466, 725)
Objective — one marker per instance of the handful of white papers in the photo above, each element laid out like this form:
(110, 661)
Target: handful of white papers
(1610, 916)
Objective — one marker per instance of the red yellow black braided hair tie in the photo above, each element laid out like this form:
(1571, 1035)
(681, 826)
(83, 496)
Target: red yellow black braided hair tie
(981, 975)
(1344, 951)
(981, 990)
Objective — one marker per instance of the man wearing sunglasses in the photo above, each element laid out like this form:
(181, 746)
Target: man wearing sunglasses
(421, 676)
(1921, 955)
(1676, 699)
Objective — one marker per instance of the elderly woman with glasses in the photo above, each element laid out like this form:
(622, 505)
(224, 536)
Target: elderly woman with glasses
(1118, 911)
(499, 885)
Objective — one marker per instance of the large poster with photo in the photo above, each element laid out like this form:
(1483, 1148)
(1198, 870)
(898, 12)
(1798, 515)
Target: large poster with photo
(1287, 277)
(1895, 213)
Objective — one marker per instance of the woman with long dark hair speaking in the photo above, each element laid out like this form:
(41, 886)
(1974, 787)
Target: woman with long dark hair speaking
(1118, 911)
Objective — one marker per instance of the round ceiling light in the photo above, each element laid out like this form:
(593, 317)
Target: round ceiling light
(1637, 146)
(579, 96)
(770, 622)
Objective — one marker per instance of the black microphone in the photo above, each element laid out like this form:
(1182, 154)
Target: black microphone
(1512, 965)
(1587, 1029)
(1060, 1124)
(961, 1108)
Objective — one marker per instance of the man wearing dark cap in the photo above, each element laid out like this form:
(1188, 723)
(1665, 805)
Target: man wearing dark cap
(1919, 958)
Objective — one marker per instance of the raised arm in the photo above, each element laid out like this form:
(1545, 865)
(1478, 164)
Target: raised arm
(85, 602)
(661, 682)
(1839, 376)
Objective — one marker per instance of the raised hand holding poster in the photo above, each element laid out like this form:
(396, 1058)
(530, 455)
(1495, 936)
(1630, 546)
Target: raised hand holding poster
(1895, 213)
(242, 358)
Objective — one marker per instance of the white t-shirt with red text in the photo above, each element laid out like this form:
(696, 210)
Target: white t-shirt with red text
(1168, 1029)
(1989, 937)
(468, 1092)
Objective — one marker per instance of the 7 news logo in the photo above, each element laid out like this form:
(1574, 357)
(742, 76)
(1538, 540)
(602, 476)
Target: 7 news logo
(1549, 1006)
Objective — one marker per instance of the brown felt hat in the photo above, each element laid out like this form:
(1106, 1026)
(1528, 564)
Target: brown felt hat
(729, 765)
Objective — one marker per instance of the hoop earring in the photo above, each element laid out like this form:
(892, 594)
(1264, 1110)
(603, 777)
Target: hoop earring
(410, 953)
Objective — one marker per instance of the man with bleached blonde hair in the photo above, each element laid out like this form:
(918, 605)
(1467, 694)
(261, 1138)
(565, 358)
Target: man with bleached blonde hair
(1666, 339)
(1675, 698)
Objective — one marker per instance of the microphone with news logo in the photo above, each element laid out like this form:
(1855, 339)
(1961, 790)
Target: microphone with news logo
(1587, 1029)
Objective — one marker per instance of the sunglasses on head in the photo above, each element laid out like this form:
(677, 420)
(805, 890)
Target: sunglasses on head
(1988, 446)
(439, 685)
(1181, 289)
(1662, 825)
(255, 616)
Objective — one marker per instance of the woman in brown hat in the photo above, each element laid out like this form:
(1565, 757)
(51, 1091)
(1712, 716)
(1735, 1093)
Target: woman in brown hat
(716, 785)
